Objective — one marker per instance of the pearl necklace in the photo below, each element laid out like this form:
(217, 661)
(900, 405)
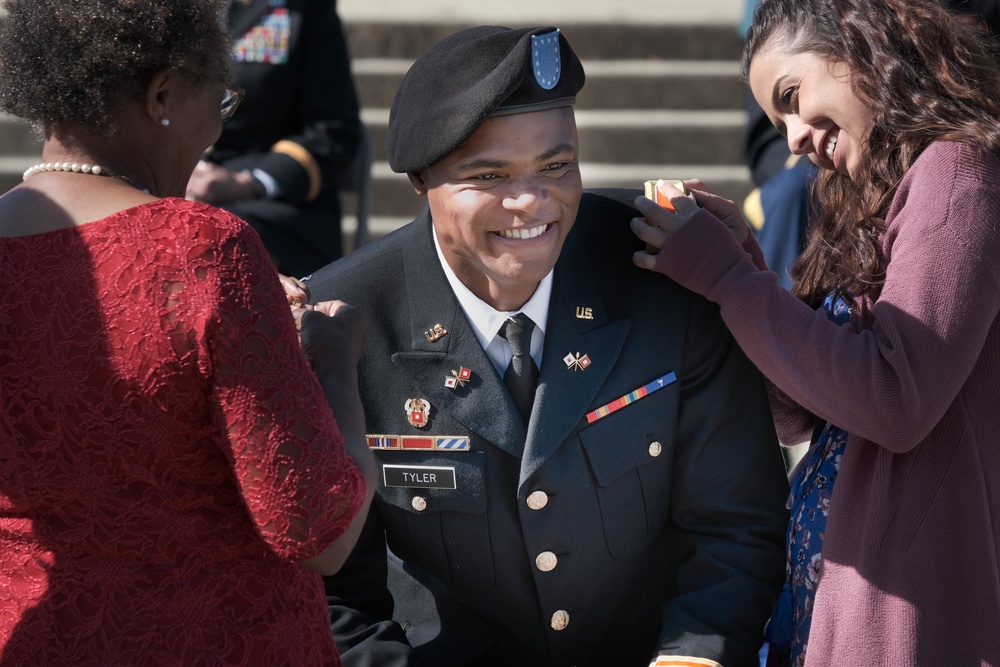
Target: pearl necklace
(75, 167)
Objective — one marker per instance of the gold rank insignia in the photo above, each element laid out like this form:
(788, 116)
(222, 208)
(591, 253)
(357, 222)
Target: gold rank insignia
(417, 411)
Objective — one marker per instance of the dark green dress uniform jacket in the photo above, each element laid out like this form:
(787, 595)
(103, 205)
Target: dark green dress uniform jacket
(665, 519)
(298, 122)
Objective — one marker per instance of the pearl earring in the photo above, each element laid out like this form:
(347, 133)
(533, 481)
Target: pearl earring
(164, 121)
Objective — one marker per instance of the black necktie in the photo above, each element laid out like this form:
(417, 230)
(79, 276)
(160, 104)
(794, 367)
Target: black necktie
(521, 376)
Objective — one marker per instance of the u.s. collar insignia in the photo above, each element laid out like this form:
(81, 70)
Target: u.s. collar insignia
(576, 363)
(436, 332)
(545, 59)
(417, 411)
(458, 378)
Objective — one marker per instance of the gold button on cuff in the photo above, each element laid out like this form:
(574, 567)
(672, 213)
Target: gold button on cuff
(546, 561)
(560, 620)
(537, 500)
(655, 449)
(419, 503)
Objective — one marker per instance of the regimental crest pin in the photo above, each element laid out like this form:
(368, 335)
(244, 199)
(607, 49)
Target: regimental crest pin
(576, 362)
(418, 411)
(545, 59)
(437, 332)
(458, 378)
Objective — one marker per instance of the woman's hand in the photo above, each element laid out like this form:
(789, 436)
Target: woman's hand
(338, 335)
(659, 224)
(297, 293)
(332, 335)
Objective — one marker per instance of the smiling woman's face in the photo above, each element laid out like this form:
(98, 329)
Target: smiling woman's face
(810, 100)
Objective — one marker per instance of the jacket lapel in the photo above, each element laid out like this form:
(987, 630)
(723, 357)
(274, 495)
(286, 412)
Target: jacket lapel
(564, 393)
(483, 404)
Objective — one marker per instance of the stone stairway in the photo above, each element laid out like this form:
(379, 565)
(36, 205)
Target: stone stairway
(661, 101)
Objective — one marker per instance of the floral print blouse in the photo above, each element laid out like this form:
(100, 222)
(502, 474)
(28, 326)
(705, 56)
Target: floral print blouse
(809, 503)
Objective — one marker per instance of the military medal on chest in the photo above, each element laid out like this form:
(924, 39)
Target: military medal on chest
(417, 412)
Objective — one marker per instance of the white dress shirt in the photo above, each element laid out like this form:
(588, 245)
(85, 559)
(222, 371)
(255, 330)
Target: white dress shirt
(486, 320)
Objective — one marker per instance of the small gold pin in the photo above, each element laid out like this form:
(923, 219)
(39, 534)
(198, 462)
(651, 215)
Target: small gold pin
(458, 378)
(576, 363)
(437, 332)
(417, 412)
(584, 313)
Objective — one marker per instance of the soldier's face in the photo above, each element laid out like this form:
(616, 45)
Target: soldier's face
(503, 202)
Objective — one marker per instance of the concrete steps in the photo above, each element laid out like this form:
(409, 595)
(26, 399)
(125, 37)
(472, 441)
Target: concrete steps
(660, 101)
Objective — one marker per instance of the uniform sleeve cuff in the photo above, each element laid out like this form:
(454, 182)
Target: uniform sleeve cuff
(271, 189)
(683, 661)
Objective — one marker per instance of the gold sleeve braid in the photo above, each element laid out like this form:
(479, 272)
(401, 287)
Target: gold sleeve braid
(307, 162)
(683, 661)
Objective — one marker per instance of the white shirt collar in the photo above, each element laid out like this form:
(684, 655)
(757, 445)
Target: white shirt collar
(486, 320)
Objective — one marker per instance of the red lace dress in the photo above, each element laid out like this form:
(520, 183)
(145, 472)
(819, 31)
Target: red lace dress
(166, 455)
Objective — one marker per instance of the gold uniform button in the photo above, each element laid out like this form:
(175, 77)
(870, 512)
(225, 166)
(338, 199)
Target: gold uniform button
(560, 620)
(419, 503)
(655, 449)
(537, 500)
(546, 561)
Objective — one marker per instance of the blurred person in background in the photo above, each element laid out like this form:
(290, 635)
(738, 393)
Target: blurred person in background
(172, 478)
(277, 164)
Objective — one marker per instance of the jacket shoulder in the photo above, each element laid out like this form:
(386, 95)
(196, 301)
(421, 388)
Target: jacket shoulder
(368, 270)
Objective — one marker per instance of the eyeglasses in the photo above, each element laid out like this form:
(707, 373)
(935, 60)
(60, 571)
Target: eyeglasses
(230, 100)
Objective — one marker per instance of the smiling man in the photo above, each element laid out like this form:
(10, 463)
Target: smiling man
(577, 463)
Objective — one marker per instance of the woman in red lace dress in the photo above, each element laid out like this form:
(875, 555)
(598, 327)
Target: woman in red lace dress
(172, 477)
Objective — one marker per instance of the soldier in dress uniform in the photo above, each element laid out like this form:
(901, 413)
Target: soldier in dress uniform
(277, 162)
(577, 463)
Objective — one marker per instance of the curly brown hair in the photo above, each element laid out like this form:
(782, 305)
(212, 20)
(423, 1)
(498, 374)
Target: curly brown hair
(73, 61)
(927, 75)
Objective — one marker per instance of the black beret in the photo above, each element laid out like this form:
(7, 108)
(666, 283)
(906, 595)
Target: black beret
(471, 75)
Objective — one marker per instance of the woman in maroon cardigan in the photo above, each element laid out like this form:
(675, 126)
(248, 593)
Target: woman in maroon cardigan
(898, 102)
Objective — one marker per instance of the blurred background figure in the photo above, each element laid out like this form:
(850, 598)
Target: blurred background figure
(277, 163)
(778, 207)
(170, 469)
